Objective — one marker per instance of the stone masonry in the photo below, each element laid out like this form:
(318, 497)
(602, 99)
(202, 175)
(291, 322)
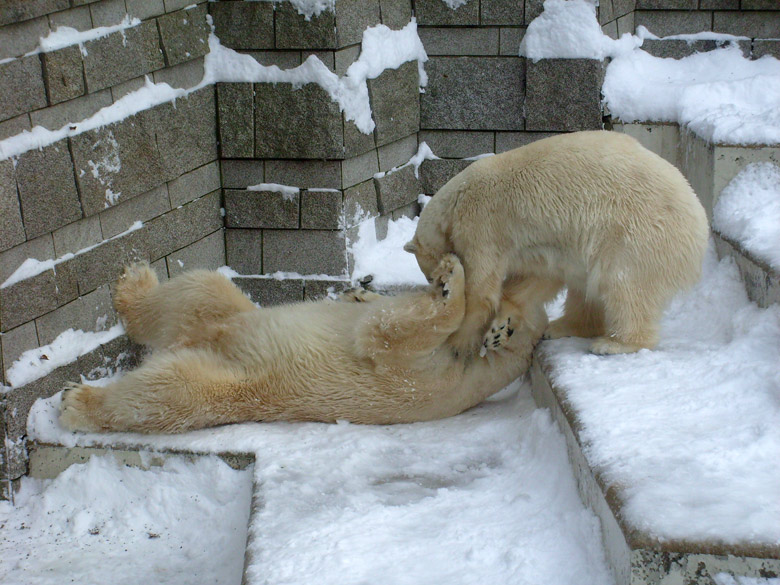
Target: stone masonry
(203, 173)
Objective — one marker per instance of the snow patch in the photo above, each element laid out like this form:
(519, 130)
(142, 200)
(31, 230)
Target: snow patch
(748, 211)
(288, 192)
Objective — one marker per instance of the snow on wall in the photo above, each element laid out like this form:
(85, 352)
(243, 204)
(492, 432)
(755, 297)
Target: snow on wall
(748, 211)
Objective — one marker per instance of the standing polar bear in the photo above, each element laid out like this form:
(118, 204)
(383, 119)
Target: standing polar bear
(593, 211)
(219, 359)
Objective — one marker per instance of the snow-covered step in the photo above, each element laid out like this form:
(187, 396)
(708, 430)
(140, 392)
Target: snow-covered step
(675, 449)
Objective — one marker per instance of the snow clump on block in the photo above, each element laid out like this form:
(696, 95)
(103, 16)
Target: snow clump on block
(748, 211)
(568, 29)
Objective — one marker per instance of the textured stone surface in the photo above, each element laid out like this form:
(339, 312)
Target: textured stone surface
(118, 161)
(18, 10)
(662, 23)
(296, 123)
(11, 227)
(509, 140)
(104, 263)
(107, 12)
(667, 4)
(766, 47)
(360, 202)
(186, 133)
(352, 18)
(318, 289)
(11, 259)
(304, 174)
(321, 210)
(268, 292)
(22, 37)
(14, 126)
(473, 93)
(16, 341)
(437, 13)
(397, 189)
(184, 35)
(293, 31)
(501, 12)
(37, 295)
(719, 4)
(435, 173)
(457, 143)
(63, 73)
(47, 189)
(235, 106)
(304, 252)
(564, 94)
(396, 14)
(244, 25)
(397, 153)
(91, 312)
(77, 236)
(194, 184)
(355, 142)
(760, 25)
(533, 8)
(678, 48)
(509, 41)
(144, 9)
(22, 89)
(360, 168)
(208, 253)
(144, 207)
(395, 103)
(460, 41)
(55, 117)
(761, 282)
(261, 209)
(244, 250)
(122, 55)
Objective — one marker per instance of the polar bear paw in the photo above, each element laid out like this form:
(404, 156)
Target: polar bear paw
(358, 295)
(448, 276)
(75, 404)
(498, 334)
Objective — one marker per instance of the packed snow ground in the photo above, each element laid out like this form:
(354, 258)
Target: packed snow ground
(484, 497)
(102, 522)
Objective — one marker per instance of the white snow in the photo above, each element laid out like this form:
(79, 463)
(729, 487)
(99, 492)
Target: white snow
(65, 36)
(66, 348)
(103, 522)
(568, 29)
(720, 95)
(287, 191)
(726, 579)
(689, 431)
(484, 497)
(748, 211)
(32, 266)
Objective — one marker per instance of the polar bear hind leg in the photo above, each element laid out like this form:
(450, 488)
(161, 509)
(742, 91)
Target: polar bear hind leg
(582, 317)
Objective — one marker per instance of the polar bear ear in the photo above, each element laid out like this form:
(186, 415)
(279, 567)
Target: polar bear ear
(410, 247)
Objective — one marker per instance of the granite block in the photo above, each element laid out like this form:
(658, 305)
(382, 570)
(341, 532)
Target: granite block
(104, 263)
(121, 90)
(22, 37)
(184, 35)
(410, 211)
(509, 40)
(665, 23)
(437, 13)
(295, 31)
(457, 143)
(122, 55)
(473, 93)
(282, 59)
(40, 248)
(75, 110)
(355, 142)
(606, 12)
(625, 24)
(12, 11)
(171, 5)
(304, 252)
(564, 94)
(11, 226)
(22, 89)
(321, 210)
(756, 25)
(297, 123)
(63, 74)
(235, 108)
(15, 342)
(184, 75)
(240, 174)
(360, 203)
(14, 126)
(77, 236)
(90, 312)
(667, 4)
(509, 140)
(268, 292)
(358, 169)
(397, 153)
(435, 173)
(397, 189)
(47, 189)
(501, 12)
(145, 9)
(37, 295)
(144, 207)
(244, 25)
(352, 18)
(107, 12)
(396, 14)
(678, 48)
(763, 47)
(116, 162)
(207, 253)
(194, 184)
(533, 8)
(304, 174)
(261, 209)
(459, 41)
(186, 133)
(244, 250)
(316, 289)
(395, 103)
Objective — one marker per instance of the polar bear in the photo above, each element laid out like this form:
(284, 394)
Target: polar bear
(593, 211)
(217, 358)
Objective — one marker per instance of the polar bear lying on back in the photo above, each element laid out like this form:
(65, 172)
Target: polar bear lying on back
(593, 211)
(219, 359)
